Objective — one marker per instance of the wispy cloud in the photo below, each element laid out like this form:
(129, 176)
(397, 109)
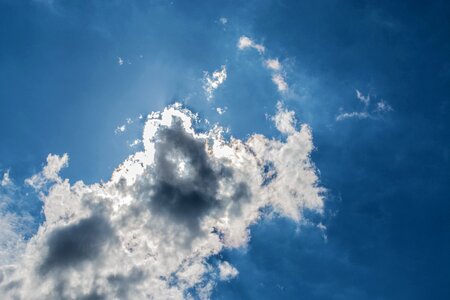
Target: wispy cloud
(369, 111)
(213, 81)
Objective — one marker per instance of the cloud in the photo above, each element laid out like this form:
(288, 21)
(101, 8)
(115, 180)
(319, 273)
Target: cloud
(6, 180)
(148, 232)
(221, 110)
(245, 43)
(284, 120)
(362, 98)
(383, 106)
(212, 82)
(50, 173)
(278, 77)
(223, 20)
(355, 114)
(279, 81)
(227, 271)
(368, 112)
(273, 64)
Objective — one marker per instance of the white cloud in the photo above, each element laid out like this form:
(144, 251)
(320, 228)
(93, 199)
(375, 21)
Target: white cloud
(280, 82)
(148, 232)
(273, 64)
(223, 20)
(120, 129)
(227, 271)
(362, 98)
(135, 143)
(368, 112)
(221, 110)
(6, 180)
(120, 61)
(245, 42)
(50, 173)
(284, 120)
(212, 82)
(355, 114)
(383, 106)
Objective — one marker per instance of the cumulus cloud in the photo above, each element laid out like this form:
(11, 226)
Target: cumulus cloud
(213, 81)
(148, 232)
(245, 43)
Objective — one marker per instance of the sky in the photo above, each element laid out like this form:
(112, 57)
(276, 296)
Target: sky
(224, 149)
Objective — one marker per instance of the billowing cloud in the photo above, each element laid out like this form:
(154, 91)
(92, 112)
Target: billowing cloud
(245, 43)
(148, 232)
(213, 81)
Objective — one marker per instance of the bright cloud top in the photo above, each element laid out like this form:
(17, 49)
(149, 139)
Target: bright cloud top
(147, 233)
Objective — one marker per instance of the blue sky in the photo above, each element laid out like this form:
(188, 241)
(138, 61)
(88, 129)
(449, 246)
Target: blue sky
(72, 72)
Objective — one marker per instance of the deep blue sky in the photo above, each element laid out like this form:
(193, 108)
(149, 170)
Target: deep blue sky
(388, 179)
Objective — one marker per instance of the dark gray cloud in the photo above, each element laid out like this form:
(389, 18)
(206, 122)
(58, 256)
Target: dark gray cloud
(71, 245)
(187, 197)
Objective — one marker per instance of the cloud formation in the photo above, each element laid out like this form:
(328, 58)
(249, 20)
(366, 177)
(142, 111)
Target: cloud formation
(274, 65)
(245, 43)
(148, 232)
(213, 81)
(369, 111)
